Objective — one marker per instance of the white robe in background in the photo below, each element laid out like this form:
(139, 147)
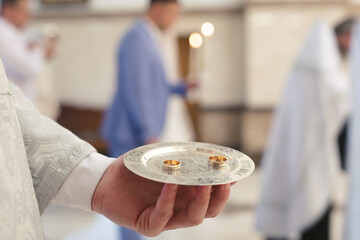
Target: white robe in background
(46, 97)
(352, 226)
(36, 156)
(22, 64)
(27, 68)
(301, 158)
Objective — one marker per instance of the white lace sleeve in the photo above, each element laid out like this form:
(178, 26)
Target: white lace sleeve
(52, 151)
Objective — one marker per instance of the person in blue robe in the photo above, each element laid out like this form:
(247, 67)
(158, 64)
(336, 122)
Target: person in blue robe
(137, 113)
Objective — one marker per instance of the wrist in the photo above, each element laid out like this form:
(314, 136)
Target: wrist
(98, 196)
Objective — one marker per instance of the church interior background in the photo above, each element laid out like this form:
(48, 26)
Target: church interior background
(234, 104)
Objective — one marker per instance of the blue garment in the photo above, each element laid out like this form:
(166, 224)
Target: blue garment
(128, 234)
(137, 113)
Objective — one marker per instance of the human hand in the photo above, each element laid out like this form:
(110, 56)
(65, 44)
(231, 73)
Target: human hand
(152, 141)
(33, 45)
(191, 85)
(192, 82)
(50, 48)
(150, 207)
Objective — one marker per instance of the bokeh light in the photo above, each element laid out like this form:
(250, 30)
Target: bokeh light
(195, 40)
(208, 29)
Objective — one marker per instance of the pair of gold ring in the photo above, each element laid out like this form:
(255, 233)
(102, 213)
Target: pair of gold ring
(216, 161)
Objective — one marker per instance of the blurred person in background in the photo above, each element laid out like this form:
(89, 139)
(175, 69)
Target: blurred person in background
(343, 32)
(46, 97)
(142, 111)
(149, 105)
(301, 160)
(27, 62)
(352, 230)
(343, 35)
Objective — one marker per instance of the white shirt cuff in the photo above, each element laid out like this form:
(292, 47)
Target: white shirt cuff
(79, 187)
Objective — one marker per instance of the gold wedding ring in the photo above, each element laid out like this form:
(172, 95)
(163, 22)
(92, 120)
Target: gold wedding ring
(218, 161)
(171, 165)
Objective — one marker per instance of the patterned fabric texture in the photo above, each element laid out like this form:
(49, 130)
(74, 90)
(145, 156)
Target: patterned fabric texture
(36, 156)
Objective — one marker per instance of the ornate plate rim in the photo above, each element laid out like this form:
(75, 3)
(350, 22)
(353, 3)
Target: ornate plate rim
(235, 176)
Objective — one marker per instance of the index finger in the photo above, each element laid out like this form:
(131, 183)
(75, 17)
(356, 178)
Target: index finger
(164, 208)
(218, 200)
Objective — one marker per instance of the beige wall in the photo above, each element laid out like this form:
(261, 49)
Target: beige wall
(139, 5)
(220, 71)
(85, 70)
(84, 66)
(274, 36)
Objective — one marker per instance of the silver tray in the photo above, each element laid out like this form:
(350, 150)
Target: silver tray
(192, 163)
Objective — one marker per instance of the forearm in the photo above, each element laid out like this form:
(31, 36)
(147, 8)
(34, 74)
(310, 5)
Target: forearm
(52, 151)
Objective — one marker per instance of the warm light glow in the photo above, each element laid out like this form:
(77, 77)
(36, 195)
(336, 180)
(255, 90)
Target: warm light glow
(207, 29)
(195, 40)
